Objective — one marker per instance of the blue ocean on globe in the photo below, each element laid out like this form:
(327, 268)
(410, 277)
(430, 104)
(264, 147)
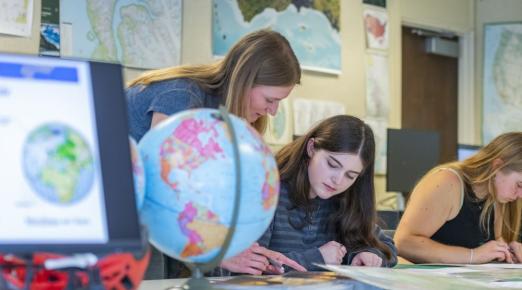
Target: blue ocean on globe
(138, 173)
(190, 188)
(58, 163)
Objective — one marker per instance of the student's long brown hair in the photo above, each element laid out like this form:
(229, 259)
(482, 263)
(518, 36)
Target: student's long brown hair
(355, 219)
(479, 170)
(263, 57)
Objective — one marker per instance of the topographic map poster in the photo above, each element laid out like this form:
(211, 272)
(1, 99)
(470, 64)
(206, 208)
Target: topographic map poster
(16, 17)
(139, 34)
(312, 27)
(502, 85)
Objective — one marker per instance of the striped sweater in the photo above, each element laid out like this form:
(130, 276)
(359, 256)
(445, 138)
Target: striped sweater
(290, 234)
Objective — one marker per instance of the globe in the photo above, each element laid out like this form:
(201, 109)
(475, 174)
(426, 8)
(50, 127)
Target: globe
(190, 189)
(58, 163)
(138, 173)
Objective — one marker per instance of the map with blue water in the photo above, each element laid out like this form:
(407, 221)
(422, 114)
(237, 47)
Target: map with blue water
(312, 28)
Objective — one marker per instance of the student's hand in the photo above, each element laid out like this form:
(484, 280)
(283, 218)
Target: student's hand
(492, 251)
(333, 253)
(366, 259)
(278, 258)
(247, 262)
(516, 250)
(254, 260)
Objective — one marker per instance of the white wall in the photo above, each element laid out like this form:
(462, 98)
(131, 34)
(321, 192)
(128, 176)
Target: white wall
(452, 15)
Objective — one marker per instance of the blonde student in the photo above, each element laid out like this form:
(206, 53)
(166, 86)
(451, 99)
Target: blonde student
(260, 70)
(467, 212)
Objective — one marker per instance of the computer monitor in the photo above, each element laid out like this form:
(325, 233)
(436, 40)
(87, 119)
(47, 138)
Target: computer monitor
(65, 171)
(464, 151)
(410, 154)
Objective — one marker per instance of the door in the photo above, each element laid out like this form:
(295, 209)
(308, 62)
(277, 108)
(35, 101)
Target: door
(430, 90)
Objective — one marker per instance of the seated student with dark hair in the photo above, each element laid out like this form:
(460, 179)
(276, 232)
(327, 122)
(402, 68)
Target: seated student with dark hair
(326, 211)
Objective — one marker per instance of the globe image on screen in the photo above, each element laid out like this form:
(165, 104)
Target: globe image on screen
(138, 173)
(190, 189)
(58, 163)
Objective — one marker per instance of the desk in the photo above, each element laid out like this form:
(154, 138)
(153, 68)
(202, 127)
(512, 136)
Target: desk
(169, 283)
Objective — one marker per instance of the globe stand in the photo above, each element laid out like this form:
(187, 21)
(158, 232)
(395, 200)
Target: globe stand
(198, 281)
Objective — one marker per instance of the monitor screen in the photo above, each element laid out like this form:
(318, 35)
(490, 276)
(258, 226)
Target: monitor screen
(464, 151)
(66, 170)
(410, 154)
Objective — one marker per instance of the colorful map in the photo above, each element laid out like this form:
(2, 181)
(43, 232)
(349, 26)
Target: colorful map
(502, 85)
(123, 31)
(312, 27)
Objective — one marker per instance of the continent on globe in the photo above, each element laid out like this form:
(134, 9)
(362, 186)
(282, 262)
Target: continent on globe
(202, 228)
(185, 149)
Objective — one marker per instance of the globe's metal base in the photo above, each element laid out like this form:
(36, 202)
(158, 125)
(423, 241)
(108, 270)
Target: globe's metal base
(196, 282)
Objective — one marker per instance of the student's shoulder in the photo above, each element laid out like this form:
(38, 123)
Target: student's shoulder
(445, 175)
(443, 182)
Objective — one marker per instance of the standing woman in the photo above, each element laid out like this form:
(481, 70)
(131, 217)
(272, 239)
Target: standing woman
(260, 70)
(326, 211)
(467, 212)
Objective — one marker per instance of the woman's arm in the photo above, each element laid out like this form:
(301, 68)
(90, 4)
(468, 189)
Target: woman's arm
(435, 200)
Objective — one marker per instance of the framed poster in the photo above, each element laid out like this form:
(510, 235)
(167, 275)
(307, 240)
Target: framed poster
(502, 79)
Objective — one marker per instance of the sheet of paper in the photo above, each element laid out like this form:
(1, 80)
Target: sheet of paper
(16, 17)
(406, 279)
(308, 113)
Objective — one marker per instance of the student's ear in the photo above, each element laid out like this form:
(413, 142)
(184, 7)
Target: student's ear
(497, 163)
(310, 149)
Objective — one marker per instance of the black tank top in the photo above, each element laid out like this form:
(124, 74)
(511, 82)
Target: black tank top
(465, 229)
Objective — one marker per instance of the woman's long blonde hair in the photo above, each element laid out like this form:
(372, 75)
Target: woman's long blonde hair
(478, 170)
(262, 57)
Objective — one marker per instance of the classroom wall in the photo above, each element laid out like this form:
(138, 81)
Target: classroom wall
(451, 15)
(348, 87)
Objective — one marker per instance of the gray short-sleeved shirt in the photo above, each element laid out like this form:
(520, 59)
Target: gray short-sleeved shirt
(167, 97)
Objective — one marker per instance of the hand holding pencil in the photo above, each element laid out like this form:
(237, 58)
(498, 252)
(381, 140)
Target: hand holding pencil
(257, 259)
